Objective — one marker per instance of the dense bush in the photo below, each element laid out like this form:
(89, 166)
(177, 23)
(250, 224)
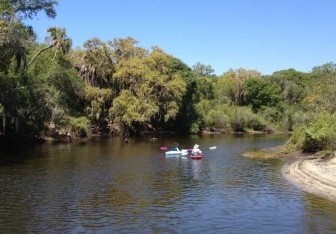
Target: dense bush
(243, 118)
(318, 134)
(44, 87)
(79, 126)
(226, 118)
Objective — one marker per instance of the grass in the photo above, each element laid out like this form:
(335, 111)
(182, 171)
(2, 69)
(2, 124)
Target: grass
(266, 153)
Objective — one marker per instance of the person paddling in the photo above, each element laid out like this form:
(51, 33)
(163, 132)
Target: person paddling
(196, 151)
(176, 148)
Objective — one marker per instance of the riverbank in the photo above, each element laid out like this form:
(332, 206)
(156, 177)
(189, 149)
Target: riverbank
(313, 174)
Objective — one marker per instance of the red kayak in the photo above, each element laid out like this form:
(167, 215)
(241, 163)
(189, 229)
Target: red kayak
(199, 156)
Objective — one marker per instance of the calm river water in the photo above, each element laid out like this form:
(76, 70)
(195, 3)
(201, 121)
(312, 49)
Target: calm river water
(107, 186)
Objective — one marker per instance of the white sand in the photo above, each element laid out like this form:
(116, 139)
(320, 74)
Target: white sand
(314, 175)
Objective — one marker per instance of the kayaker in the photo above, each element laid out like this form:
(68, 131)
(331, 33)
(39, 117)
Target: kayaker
(196, 151)
(176, 148)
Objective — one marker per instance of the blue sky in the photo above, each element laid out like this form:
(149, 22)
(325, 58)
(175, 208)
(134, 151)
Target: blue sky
(266, 35)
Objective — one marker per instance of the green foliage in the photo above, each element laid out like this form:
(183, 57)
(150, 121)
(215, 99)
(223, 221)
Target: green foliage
(238, 80)
(187, 114)
(242, 119)
(328, 68)
(98, 102)
(15, 37)
(28, 111)
(119, 82)
(58, 40)
(258, 123)
(216, 118)
(226, 118)
(293, 84)
(152, 81)
(225, 91)
(296, 141)
(165, 86)
(293, 117)
(271, 114)
(63, 90)
(204, 89)
(261, 93)
(79, 126)
(195, 128)
(15, 40)
(318, 134)
(203, 70)
(26, 9)
(322, 92)
(129, 109)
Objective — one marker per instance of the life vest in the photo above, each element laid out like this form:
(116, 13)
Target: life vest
(194, 153)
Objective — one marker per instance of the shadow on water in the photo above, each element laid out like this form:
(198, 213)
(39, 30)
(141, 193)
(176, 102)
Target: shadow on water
(17, 150)
(321, 213)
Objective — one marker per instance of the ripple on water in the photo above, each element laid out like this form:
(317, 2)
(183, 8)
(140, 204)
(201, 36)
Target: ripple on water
(112, 188)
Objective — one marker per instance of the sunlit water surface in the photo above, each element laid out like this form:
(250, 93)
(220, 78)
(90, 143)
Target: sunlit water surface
(107, 186)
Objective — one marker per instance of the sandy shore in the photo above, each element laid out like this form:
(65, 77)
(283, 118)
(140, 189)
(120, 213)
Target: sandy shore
(313, 174)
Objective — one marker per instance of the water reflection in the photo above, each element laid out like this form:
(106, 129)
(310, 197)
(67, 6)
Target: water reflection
(108, 186)
(321, 215)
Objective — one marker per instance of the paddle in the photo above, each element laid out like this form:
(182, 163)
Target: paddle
(164, 148)
(211, 148)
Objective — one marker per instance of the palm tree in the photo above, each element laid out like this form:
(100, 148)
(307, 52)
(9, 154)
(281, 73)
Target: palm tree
(57, 39)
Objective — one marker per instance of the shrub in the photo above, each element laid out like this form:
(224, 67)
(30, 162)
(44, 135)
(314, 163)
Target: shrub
(195, 128)
(239, 117)
(318, 134)
(80, 126)
(295, 142)
(217, 119)
(257, 123)
(243, 118)
(271, 114)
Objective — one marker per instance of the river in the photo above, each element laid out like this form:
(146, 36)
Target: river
(106, 186)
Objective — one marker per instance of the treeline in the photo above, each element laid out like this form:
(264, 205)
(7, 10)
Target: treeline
(117, 87)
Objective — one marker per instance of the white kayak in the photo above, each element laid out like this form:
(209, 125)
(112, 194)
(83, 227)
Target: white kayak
(176, 153)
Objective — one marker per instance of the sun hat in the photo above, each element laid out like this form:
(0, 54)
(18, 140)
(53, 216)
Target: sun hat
(196, 146)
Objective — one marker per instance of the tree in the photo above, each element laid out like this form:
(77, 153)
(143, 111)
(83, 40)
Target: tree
(187, 115)
(293, 84)
(151, 92)
(260, 93)
(238, 77)
(58, 40)
(26, 8)
(130, 110)
(165, 84)
(203, 70)
(95, 64)
(124, 48)
(16, 39)
(328, 68)
(225, 91)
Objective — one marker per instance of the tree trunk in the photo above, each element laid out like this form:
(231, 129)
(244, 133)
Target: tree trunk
(17, 125)
(36, 55)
